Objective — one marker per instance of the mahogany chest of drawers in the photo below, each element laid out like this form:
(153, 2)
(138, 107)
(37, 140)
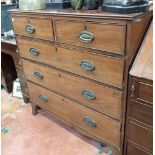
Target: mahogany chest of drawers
(76, 65)
(139, 126)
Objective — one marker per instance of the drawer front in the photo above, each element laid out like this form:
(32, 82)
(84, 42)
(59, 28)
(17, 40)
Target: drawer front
(100, 36)
(140, 135)
(94, 123)
(100, 68)
(144, 92)
(33, 27)
(37, 51)
(100, 98)
(141, 112)
(141, 91)
(133, 150)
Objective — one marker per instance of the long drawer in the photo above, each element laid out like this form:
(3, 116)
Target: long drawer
(104, 69)
(100, 36)
(140, 135)
(102, 99)
(94, 123)
(34, 27)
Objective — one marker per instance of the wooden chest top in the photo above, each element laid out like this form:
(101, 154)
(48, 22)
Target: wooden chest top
(82, 13)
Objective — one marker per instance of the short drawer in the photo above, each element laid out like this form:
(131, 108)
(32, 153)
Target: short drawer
(104, 69)
(33, 27)
(102, 99)
(140, 135)
(100, 36)
(94, 123)
(133, 150)
(141, 112)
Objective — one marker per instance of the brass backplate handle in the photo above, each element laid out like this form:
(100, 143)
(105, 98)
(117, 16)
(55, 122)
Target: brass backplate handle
(88, 95)
(87, 65)
(43, 98)
(29, 28)
(38, 75)
(85, 36)
(34, 51)
(90, 122)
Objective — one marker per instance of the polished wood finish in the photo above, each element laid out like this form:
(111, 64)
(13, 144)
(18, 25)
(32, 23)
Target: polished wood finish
(43, 27)
(102, 41)
(134, 150)
(83, 14)
(9, 49)
(140, 135)
(143, 65)
(144, 92)
(65, 66)
(110, 73)
(67, 109)
(139, 120)
(107, 101)
(136, 29)
(141, 112)
(46, 51)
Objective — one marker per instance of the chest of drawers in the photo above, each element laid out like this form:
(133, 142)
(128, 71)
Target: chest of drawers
(139, 126)
(76, 65)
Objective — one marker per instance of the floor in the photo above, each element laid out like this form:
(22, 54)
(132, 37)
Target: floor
(25, 134)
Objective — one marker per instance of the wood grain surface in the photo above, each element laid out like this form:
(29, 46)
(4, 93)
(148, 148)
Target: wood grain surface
(108, 70)
(143, 65)
(107, 101)
(116, 41)
(43, 27)
(111, 39)
(106, 128)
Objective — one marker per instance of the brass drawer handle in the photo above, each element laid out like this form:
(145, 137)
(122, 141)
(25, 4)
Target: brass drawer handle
(43, 98)
(88, 95)
(87, 65)
(38, 75)
(34, 51)
(90, 122)
(29, 28)
(85, 36)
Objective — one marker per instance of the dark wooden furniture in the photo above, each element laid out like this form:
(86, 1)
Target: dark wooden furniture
(139, 128)
(11, 67)
(8, 72)
(76, 64)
